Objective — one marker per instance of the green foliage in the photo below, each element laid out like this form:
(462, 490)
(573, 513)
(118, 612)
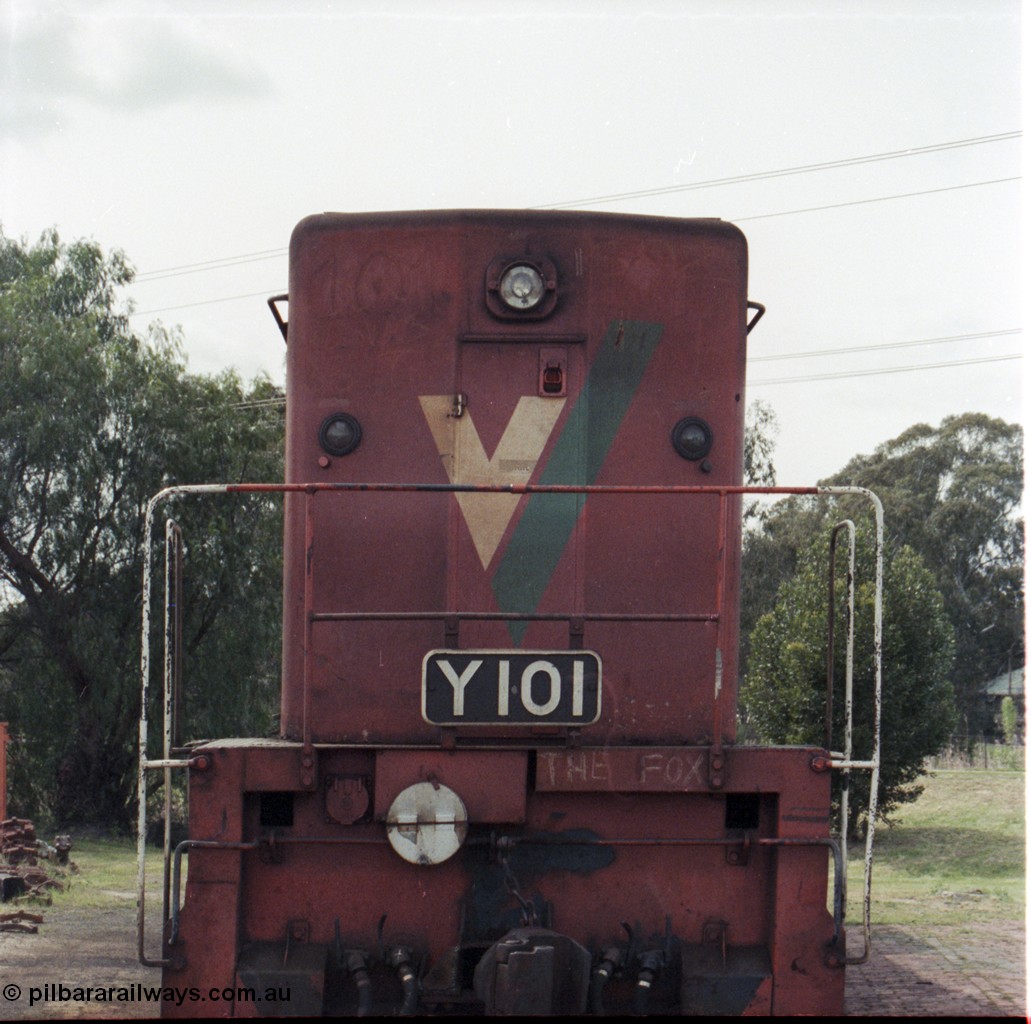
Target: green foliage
(784, 696)
(761, 430)
(953, 494)
(93, 421)
(760, 440)
(1009, 719)
(950, 493)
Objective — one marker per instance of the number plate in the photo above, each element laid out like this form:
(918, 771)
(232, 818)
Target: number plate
(511, 687)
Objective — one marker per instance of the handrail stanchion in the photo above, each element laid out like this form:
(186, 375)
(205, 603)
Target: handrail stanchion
(311, 489)
(873, 765)
(172, 680)
(850, 637)
(166, 762)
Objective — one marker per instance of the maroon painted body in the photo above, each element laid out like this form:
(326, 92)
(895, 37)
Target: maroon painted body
(615, 850)
(388, 322)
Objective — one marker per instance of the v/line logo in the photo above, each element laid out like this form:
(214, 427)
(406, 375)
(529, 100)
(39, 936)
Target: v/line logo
(541, 534)
(513, 462)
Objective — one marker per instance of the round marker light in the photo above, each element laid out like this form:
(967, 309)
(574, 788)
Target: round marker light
(340, 434)
(521, 287)
(692, 438)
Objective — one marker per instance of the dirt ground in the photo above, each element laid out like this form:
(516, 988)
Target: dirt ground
(968, 971)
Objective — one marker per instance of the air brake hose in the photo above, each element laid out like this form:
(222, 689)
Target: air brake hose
(358, 967)
(600, 978)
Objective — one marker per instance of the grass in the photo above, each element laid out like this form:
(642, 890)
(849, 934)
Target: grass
(103, 876)
(955, 856)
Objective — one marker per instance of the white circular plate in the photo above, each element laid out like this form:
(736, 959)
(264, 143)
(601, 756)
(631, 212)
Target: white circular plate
(427, 823)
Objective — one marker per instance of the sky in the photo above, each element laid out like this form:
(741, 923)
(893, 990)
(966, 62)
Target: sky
(870, 150)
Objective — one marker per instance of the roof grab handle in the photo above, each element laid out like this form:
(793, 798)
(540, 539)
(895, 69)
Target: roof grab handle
(759, 308)
(282, 324)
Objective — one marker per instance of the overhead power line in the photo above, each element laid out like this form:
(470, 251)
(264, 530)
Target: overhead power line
(782, 172)
(259, 403)
(218, 264)
(263, 254)
(204, 302)
(884, 370)
(876, 199)
(229, 261)
(885, 345)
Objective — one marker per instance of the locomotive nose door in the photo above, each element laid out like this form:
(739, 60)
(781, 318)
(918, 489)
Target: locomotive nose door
(508, 423)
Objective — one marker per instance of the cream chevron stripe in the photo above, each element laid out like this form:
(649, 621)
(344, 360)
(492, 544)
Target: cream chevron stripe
(513, 462)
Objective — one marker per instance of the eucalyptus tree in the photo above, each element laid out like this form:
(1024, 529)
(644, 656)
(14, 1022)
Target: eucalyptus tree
(952, 494)
(93, 420)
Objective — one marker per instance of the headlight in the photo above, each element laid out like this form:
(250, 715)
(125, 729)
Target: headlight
(521, 287)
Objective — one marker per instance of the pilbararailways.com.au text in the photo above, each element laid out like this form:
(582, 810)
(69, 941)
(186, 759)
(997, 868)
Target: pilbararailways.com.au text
(56, 992)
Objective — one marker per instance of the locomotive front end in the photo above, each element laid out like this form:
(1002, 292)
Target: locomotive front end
(507, 779)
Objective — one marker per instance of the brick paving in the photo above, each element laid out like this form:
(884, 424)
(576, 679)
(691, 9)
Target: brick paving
(975, 970)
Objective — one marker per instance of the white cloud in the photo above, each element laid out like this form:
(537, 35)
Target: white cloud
(58, 64)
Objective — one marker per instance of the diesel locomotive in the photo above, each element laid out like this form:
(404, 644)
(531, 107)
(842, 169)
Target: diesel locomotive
(507, 779)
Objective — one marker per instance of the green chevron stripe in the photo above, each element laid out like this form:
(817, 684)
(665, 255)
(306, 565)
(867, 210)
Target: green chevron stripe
(547, 522)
